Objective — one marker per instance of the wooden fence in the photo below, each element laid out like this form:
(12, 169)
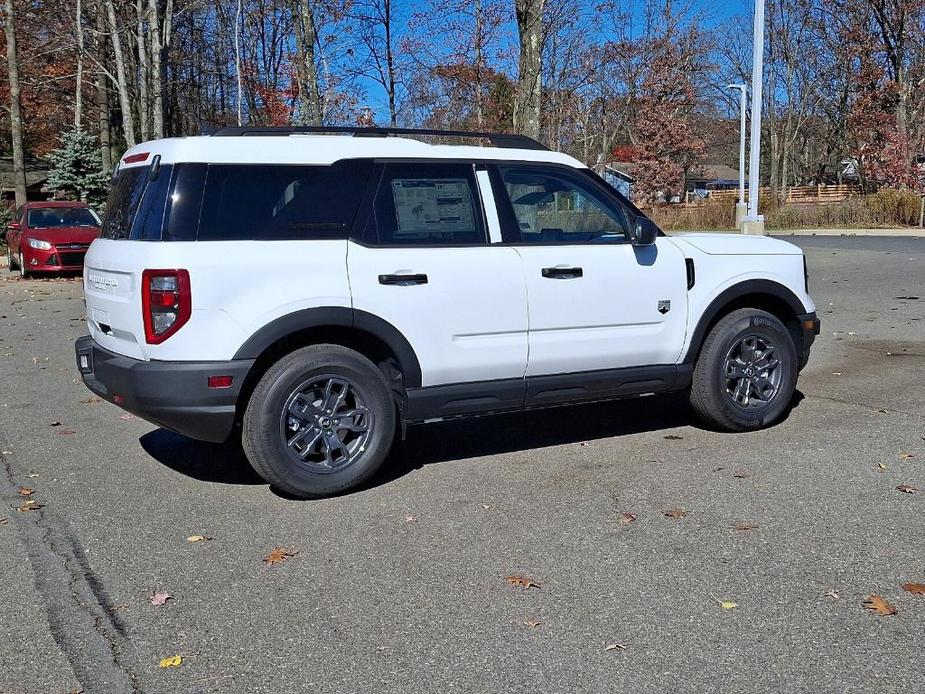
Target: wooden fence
(815, 194)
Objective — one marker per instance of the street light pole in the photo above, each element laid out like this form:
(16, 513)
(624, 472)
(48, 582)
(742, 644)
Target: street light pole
(754, 222)
(740, 204)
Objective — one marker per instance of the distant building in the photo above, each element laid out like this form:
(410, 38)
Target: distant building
(619, 179)
(37, 172)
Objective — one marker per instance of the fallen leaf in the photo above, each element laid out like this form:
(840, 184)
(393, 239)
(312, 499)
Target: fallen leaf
(717, 469)
(907, 488)
(92, 400)
(881, 466)
(173, 661)
(486, 506)
(906, 456)
(160, 598)
(55, 424)
(4, 520)
(197, 538)
(532, 625)
(673, 437)
(728, 604)
(34, 474)
(522, 582)
(627, 518)
(120, 606)
(25, 491)
(877, 605)
(915, 588)
(279, 555)
(127, 416)
(410, 519)
(745, 526)
(832, 593)
(674, 513)
(739, 474)
(615, 647)
(66, 432)
(30, 505)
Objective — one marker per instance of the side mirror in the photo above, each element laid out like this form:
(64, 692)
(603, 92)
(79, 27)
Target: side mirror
(644, 232)
(14, 226)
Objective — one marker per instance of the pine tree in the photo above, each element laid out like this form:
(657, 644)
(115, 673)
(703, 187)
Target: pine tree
(76, 167)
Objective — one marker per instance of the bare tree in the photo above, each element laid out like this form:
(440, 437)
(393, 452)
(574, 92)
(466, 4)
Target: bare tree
(12, 59)
(528, 94)
(306, 34)
(122, 84)
(375, 25)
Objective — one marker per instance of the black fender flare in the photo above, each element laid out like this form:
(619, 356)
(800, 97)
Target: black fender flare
(727, 296)
(339, 317)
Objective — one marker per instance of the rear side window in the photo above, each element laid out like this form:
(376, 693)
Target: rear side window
(127, 188)
(426, 205)
(257, 202)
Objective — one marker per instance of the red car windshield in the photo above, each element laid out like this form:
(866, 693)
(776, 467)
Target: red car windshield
(50, 217)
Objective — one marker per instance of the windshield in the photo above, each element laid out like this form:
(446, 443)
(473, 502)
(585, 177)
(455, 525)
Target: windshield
(50, 217)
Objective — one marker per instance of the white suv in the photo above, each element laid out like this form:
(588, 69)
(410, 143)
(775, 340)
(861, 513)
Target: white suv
(318, 292)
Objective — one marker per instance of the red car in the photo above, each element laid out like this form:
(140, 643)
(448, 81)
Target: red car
(51, 236)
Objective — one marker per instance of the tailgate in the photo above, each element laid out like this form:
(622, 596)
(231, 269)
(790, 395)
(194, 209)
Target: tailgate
(112, 278)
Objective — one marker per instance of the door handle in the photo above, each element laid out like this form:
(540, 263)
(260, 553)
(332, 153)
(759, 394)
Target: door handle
(403, 280)
(562, 273)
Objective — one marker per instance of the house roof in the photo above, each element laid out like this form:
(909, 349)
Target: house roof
(37, 172)
(705, 172)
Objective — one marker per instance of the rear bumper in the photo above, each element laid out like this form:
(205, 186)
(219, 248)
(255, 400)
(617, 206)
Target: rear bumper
(809, 327)
(174, 395)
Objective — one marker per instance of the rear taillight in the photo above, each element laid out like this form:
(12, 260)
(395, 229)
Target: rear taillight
(166, 303)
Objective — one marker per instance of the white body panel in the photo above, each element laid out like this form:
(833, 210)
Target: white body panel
(237, 287)
(467, 323)
(608, 318)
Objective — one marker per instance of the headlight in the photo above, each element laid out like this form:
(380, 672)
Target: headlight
(40, 245)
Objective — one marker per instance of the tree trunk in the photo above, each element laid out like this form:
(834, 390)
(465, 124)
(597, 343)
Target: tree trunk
(125, 104)
(306, 33)
(389, 60)
(12, 58)
(79, 79)
(142, 52)
(237, 57)
(102, 95)
(529, 90)
(479, 39)
(156, 45)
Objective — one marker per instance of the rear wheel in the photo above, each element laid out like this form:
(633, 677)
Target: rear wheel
(320, 421)
(746, 373)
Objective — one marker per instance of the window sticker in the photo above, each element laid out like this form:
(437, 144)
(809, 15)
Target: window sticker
(428, 205)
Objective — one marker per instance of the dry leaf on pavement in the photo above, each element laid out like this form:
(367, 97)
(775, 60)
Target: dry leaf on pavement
(197, 538)
(4, 520)
(627, 518)
(915, 588)
(907, 488)
(92, 400)
(673, 437)
(173, 661)
(30, 505)
(522, 582)
(905, 456)
(746, 526)
(881, 466)
(831, 593)
(877, 605)
(279, 555)
(674, 513)
(55, 424)
(532, 625)
(127, 416)
(740, 474)
(66, 432)
(160, 598)
(25, 491)
(615, 647)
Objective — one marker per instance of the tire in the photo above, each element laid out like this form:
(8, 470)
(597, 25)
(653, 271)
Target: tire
(292, 407)
(736, 384)
(10, 263)
(23, 272)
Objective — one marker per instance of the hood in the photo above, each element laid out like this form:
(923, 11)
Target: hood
(56, 235)
(737, 244)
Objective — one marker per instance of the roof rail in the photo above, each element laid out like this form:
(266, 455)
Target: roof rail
(504, 140)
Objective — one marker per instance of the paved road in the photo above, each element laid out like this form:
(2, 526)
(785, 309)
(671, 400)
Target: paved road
(401, 587)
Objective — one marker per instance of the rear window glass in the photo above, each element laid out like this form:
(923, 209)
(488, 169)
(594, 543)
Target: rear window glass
(257, 202)
(51, 217)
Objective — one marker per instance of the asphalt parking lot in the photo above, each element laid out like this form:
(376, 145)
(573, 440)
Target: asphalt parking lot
(401, 587)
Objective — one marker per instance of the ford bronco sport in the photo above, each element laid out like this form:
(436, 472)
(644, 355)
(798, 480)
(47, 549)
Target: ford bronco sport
(315, 290)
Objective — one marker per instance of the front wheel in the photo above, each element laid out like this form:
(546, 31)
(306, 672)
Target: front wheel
(10, 263)
(746, 372)
(320, 421)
